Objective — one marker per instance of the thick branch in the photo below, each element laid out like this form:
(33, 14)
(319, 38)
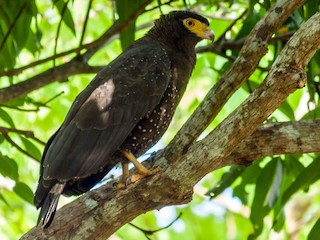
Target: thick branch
(286, 75)
(99, 213)
(276, 139)
(254, 48)
(105, 206)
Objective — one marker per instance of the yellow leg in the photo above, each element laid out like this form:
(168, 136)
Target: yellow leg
(125, 173)
(142, 171)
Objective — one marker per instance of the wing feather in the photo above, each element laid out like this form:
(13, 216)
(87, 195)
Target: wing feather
(104, 114)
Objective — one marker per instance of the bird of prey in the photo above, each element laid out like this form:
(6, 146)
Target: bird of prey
(124, 111)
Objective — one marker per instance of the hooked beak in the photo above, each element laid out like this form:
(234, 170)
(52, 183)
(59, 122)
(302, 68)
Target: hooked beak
(208, 34)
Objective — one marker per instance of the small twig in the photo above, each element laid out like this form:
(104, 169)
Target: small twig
(92, 47)
(58, 30)
(231, 25)
(150, 232)
(20, 109)
(7, 137)
(159, 6)
(53, 98)
(37, 107)
(16, 71)
(85, 25)
(28, 134)
(13, 24)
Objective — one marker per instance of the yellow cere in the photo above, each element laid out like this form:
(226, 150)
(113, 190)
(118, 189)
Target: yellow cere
(199, 28)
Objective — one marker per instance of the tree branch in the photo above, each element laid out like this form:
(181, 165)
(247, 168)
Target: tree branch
(286, 75)
(14, 144)
(99, 213)
(245, 64)
(106, 209)
(28, 134)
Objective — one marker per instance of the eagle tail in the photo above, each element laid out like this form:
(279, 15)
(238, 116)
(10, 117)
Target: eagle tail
(49, 207)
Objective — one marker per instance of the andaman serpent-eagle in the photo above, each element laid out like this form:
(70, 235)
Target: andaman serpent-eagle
(125, 110)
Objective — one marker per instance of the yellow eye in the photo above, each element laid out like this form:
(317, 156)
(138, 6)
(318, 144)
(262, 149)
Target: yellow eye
(190, 23)
(200, 29)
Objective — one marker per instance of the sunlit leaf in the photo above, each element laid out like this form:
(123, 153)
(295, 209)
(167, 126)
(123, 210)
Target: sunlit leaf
(65, 14)
(266, 194)
(226, 180)
(313, 114)
(307, 176)
(250, 21)
(279, 222)
(31, 148)
(249, 176)
(286, 109)
(293, 165)
(6, 117)
(274, 189)
(124, 9)
(312, 7)
(21, 29)
(8, 167)
(315, 231)
(4, 200)
(23, 190)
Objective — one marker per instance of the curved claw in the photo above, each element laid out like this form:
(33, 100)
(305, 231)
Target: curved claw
(143, 174)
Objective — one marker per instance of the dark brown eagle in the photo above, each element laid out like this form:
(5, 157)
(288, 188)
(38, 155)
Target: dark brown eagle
(122, 113)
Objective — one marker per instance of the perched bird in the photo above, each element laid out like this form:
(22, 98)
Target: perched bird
(123, 112)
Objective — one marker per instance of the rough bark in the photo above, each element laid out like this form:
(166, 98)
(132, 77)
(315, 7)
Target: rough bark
(90, 210)
(80, 63)
(255, 47)
(99, 213)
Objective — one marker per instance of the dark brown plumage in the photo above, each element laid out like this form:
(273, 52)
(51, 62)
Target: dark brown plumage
(122, 112)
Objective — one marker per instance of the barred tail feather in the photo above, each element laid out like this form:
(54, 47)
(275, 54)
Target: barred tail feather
(49, 207)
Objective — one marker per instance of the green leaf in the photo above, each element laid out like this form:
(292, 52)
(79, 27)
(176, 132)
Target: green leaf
(33, 43)
(312, 7)
(6, 117)
(279, 221)
(65, 14)
(274, 190)
(249, 176)
(8, 167)
(315, 231)
(226, 180)
(4, 200)
(31, 148)
(266, 194)
(307, 176)
(21, 30)
(124, 9)
(253, 85)
(293, 165)
(23, 191)
(286, 109)
(251, 20)
(313, 114)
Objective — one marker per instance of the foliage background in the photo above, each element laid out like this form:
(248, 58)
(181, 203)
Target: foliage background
(223, 200)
